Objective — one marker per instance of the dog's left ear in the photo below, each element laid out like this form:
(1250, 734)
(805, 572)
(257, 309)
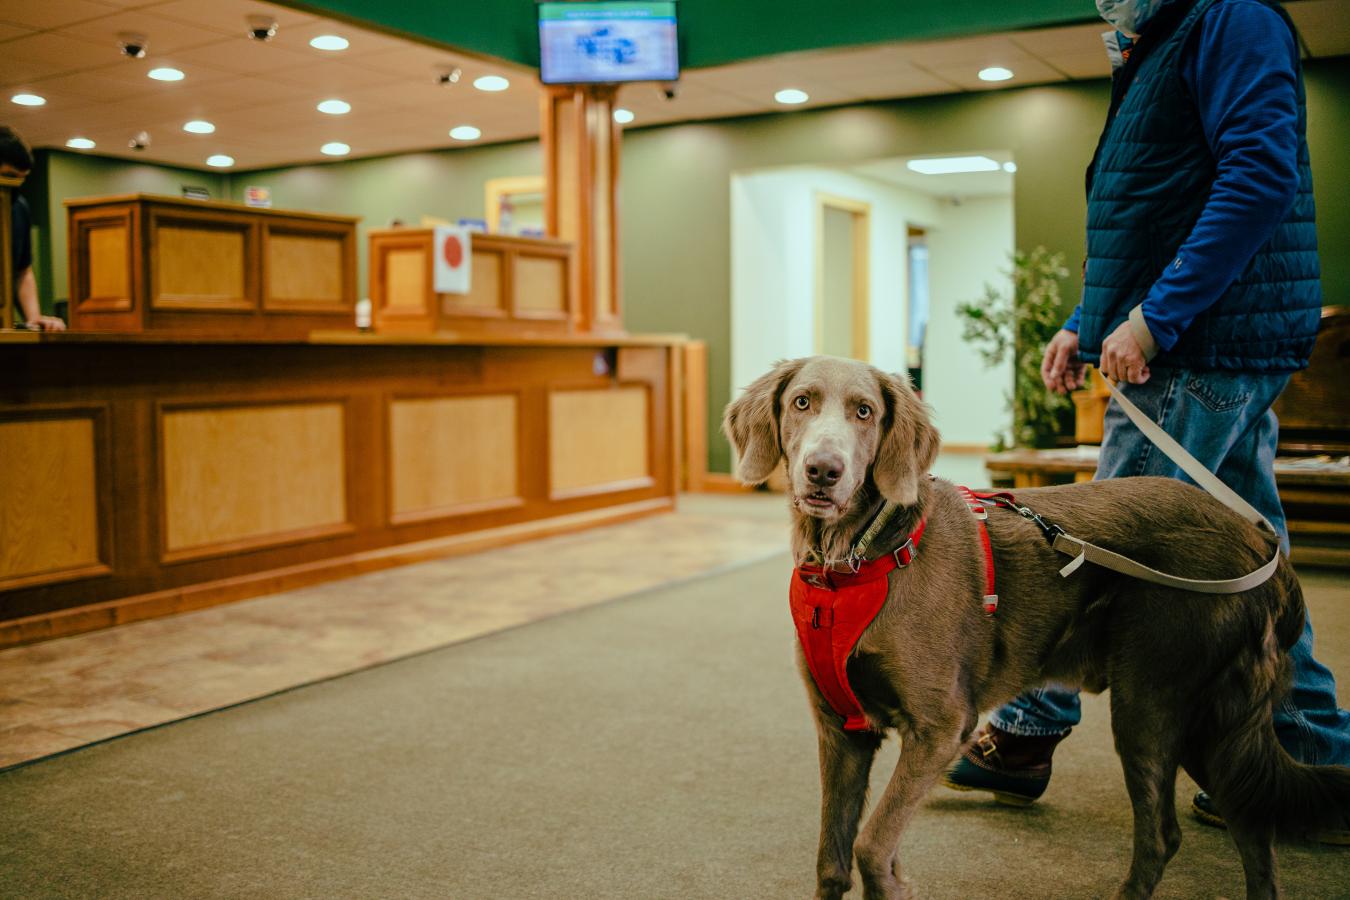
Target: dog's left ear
(909, 442)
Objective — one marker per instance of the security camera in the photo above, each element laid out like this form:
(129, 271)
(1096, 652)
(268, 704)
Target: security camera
(261, 27)
(139, 141)
(449, 76)
(133, 44)
(670, 89)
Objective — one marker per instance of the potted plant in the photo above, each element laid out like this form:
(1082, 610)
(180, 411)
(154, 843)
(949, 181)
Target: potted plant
(1023, 324)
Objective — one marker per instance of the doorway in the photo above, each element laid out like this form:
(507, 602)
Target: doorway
(843, 226)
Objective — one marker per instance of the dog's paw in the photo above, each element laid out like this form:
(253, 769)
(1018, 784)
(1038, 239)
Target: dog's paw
(832, 890)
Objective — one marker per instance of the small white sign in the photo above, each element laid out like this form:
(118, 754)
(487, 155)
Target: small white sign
(453, 255)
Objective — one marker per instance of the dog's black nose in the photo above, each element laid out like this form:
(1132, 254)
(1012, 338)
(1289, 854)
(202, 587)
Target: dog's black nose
(824, 471)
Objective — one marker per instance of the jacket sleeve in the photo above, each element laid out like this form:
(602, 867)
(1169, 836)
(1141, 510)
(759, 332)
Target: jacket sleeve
(1243, 74)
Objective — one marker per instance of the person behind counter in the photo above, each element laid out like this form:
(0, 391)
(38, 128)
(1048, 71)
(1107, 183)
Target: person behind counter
(16, 161)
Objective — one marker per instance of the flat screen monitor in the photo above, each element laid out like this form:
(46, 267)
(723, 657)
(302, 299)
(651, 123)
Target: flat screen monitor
(610, 41)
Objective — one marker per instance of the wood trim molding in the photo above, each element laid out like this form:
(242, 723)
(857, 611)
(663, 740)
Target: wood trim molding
(861, 213)
(965, 449)
(307, 228)
(609, 487)
(496, 188)
(170, 556)
(104, 510)
(251, 285)
(723, 483)
(453, 510)
(63, 623)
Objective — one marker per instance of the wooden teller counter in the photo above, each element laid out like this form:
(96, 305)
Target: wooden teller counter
(214, 427)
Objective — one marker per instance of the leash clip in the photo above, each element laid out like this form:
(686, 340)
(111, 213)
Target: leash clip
(905, 553)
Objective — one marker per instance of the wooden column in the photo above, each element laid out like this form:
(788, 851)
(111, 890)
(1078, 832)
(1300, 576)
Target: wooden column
(581, 173)
(8, 294)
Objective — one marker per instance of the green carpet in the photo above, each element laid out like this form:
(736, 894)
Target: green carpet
(658, 746)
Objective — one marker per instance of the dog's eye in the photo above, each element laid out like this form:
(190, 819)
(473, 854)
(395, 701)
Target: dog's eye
(802, 402)
(864, 411)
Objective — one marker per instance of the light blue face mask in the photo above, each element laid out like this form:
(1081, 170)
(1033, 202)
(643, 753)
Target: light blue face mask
(1128, 16)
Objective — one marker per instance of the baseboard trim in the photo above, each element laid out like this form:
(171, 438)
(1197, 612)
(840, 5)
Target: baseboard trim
(67, 622)
(720, 483)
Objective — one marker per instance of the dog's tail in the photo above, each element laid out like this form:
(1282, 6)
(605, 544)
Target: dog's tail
(1250, 776)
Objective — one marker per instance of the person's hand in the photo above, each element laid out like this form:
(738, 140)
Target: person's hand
(1123, 358)
(1060, 369)
(47, 323)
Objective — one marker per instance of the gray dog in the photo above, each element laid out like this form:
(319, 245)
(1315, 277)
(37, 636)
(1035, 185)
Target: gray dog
(1192, 676)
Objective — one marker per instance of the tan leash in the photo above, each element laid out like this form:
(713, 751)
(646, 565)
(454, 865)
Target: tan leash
(1083, 551)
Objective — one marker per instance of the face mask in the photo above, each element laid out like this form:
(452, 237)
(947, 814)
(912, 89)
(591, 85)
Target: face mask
(1128, 16)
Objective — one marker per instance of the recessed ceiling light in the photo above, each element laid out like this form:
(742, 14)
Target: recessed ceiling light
(335, 148)
(78, 143)
(329, 42)
(491, 83)
(199, 126)
(951, 165)
(28, 100)
(791, 96)
(995, 73)
(1010, 167)
(335, 107)
(465, 133)
(623, 116)
(220, 161)
(165, 73)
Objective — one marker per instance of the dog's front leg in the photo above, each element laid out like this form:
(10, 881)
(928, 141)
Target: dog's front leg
(845, 762)
(923, 756)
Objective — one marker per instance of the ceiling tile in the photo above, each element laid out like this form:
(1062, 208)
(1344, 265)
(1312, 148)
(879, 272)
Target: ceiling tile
(329, 76)
(242, 56)
(296, 38)
(1062, 41)
(52, 47)
(9, 32)
(1323, 25)
(227, 17)
(992, 50)
(163, 35)
(1025, 71)
(1082, 65)
(883, 86)
(44, 14)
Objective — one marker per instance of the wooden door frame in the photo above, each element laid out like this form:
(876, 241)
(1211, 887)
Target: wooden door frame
(861, 213)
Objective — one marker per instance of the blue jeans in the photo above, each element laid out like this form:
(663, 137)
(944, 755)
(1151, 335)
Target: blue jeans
(1224, 419)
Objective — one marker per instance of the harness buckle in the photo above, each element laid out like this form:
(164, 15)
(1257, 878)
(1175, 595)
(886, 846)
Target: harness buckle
(905, 553)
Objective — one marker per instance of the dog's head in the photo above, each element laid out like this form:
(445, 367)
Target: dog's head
(839, 423)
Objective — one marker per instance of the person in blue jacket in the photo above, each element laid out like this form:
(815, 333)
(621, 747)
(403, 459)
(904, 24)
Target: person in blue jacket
(1201, 292)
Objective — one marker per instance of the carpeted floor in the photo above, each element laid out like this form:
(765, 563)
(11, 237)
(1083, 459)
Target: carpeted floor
(658, 746)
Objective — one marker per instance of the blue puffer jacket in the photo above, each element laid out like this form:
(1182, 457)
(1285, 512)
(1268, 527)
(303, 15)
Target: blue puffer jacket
(1148, 184)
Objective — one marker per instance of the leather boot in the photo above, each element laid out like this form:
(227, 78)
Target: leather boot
(1014, 768)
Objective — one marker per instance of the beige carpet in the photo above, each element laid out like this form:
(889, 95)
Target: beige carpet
(657, 746)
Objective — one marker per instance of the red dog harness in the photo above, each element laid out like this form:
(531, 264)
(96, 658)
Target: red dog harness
(831, 610)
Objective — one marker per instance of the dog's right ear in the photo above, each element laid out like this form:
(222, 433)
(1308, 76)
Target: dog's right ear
(751, 423)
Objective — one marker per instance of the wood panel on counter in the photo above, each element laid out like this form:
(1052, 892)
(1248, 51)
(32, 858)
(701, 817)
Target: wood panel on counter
(146, 477)
(519, 285)
(144, 263)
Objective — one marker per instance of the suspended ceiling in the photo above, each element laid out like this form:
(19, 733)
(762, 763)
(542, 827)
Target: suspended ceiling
(262, 96)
